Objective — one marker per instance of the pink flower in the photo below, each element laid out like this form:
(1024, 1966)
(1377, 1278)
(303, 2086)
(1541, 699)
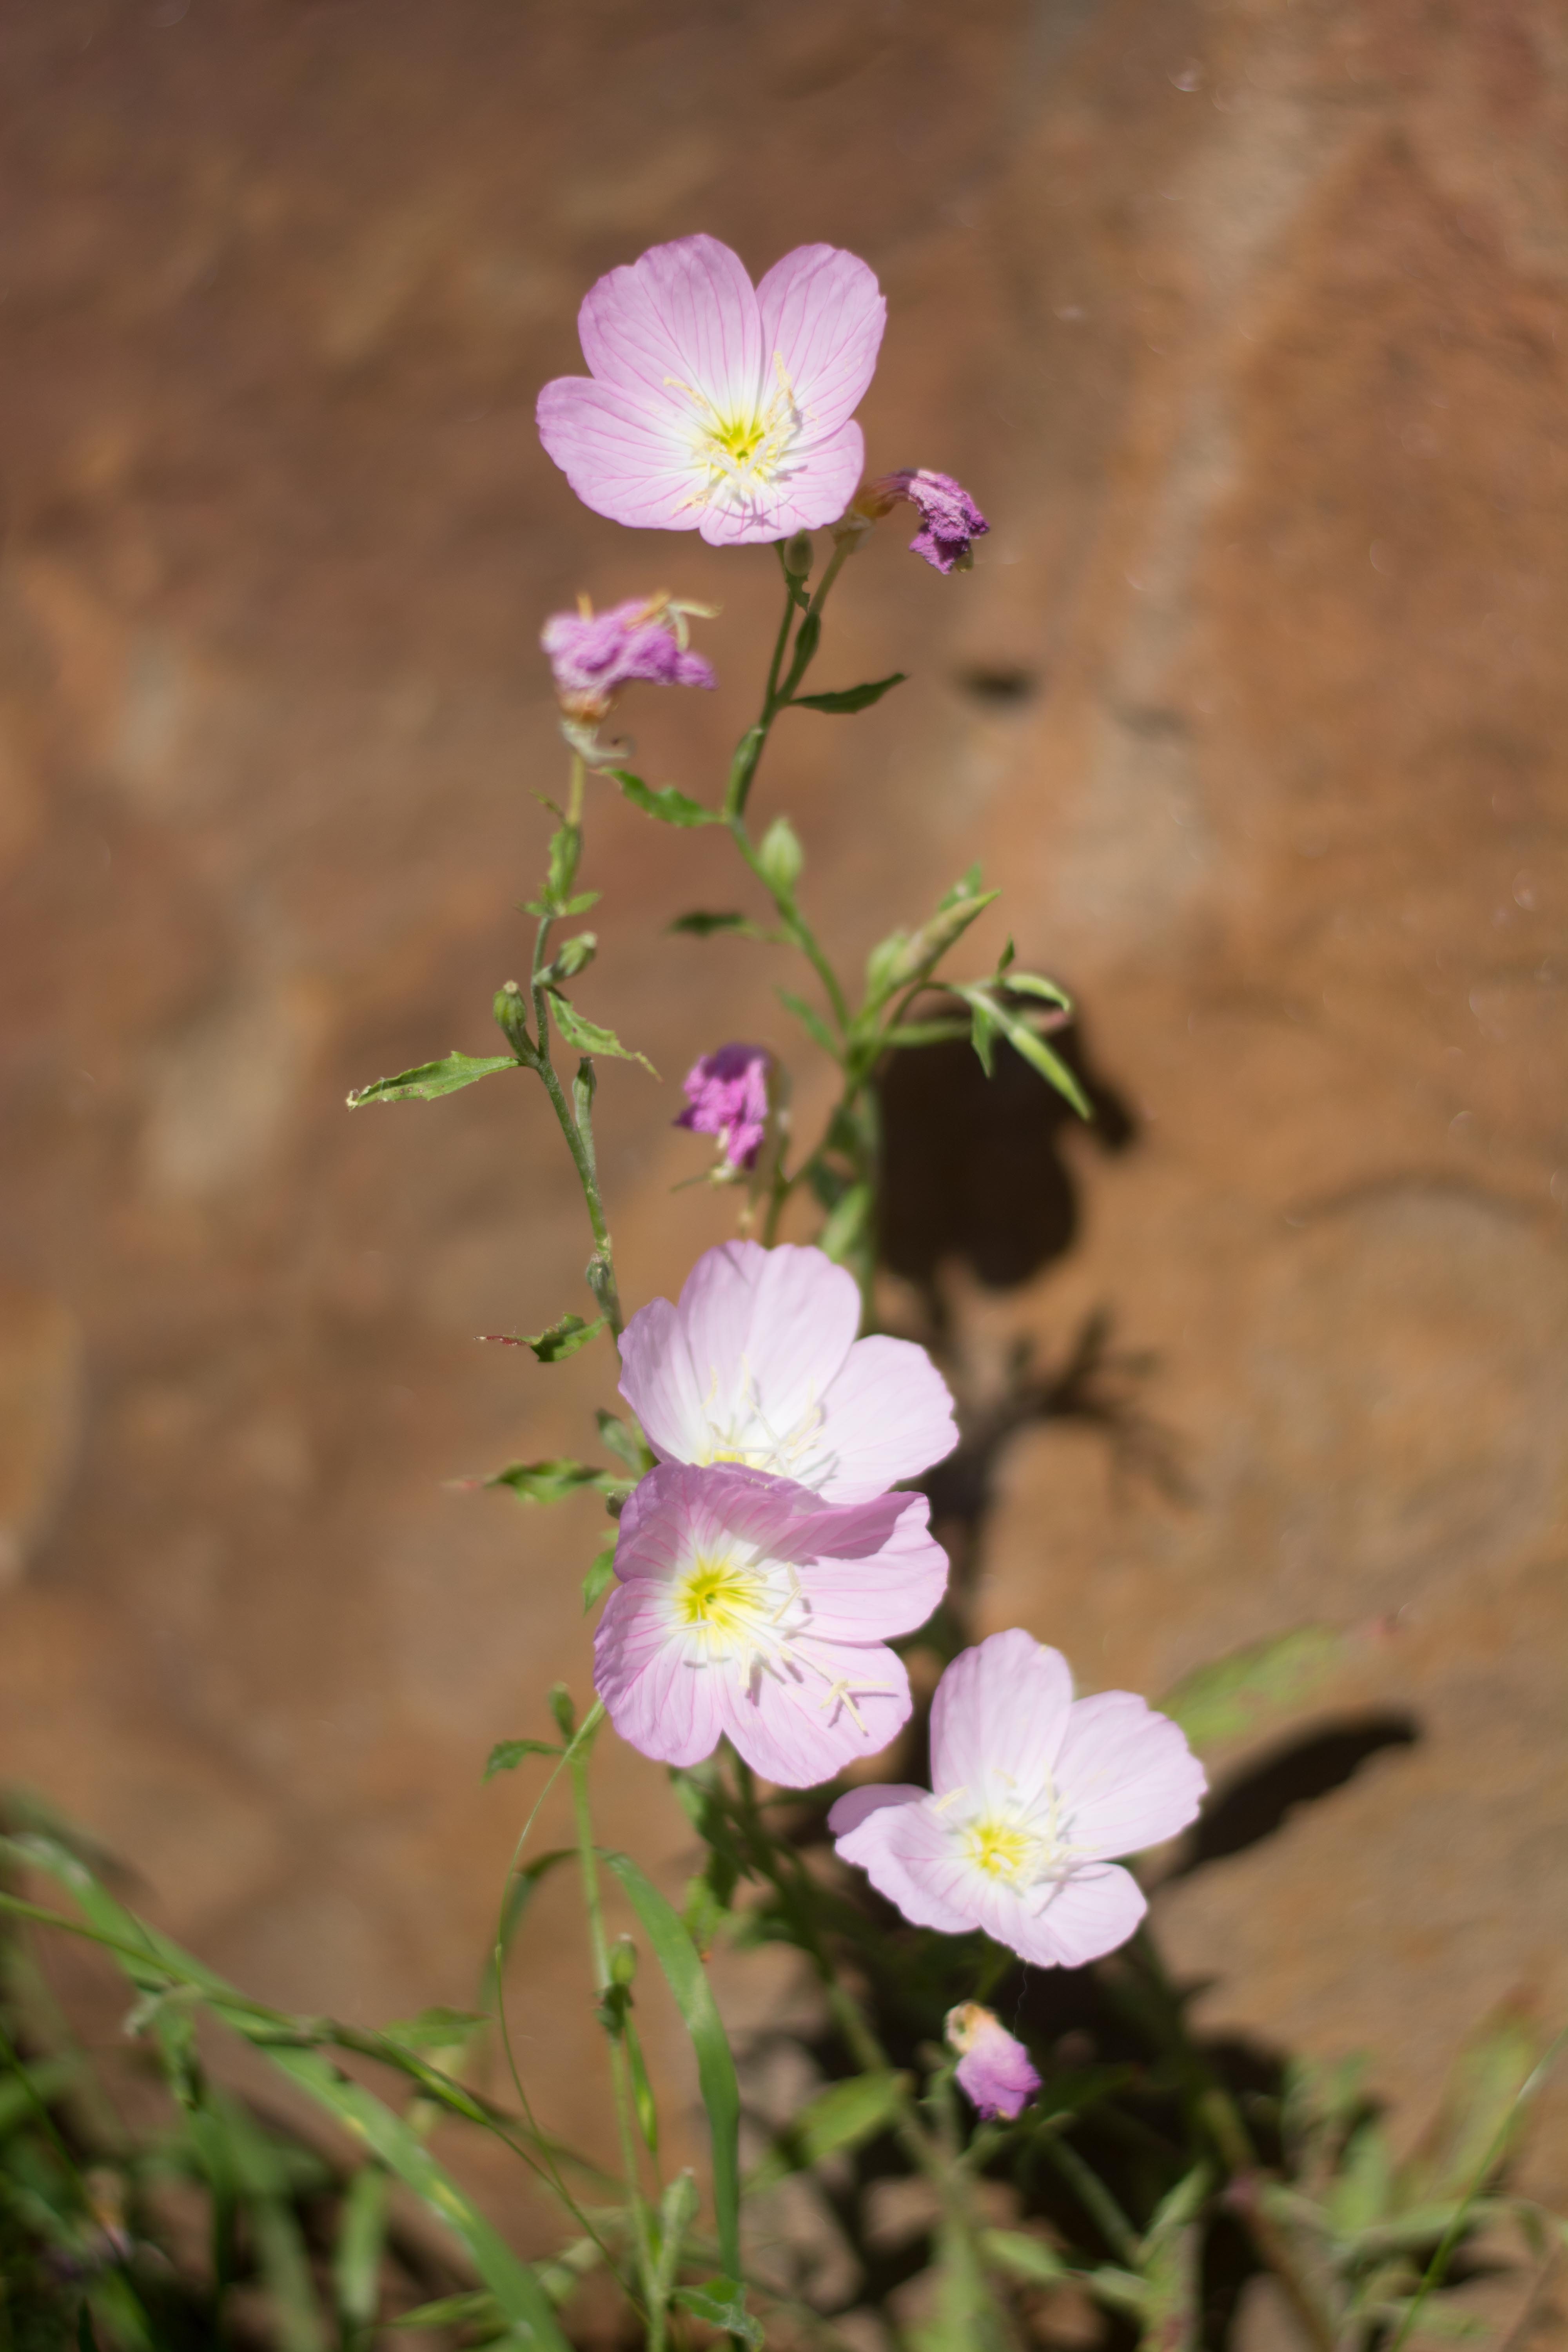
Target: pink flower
(593, 655)
(1032, 1795)
(727, 1096)
(994, 2070)
(758, 1363)
(713, 405)
(950, 520)
(745, 1607)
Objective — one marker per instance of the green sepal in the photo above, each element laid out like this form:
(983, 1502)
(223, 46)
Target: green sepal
(431, 1080)
(850, 697)
(586, 1037)
(670, 807)
(573, 956)
(507, 1754)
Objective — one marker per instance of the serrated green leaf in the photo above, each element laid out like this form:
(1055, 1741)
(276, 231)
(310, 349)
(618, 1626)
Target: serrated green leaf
(851, 697)
(507, 1754)
(811, 1021)
(669, 806)
(722, 2302)
(684, 1973)
(431, 1080)
(700, 924)
(840, 2117)
(780, 858)
(550, 1482)
(1236, 1695)
(586, 1036)
(562, 1338)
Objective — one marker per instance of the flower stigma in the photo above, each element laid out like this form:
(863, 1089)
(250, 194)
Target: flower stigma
(743, 453)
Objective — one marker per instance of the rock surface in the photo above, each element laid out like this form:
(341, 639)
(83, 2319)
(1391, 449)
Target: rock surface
(1248, 325)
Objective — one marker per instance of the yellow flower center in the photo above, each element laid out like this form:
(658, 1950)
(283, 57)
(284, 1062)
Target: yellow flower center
(719, 1596)
(1003, 1849)
(740, 451)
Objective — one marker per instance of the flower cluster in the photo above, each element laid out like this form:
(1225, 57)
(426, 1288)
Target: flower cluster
(763, 1566)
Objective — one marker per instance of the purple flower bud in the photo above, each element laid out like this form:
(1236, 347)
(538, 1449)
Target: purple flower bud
(593, 655)
(727, 1096)
(950, 520)
(994, 2070)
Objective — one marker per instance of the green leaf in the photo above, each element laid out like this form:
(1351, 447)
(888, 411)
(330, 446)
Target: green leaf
(722, 2302)
(565, 853)
(1033, 1049)
(1480, 2092)
(780, 858)
(475, 2309)
(433, 1079)
(524, 1885)
(700, 924)
(807, 638)
(586, 1037)
(550, 1482)
(845, 1228)
(683, 1972)
(436, 2029)
(361, 2242)
(1023, 2257)
(966, 887)
(561, 1339)
(1236, 1695)
(642, 2089)
(600, 1576)
(1359, 2195)
(810, 1020)
(983, 1031)
(1031, 983)
(851, 697)
(626, 1443)
(669, 806)
(842, 2116)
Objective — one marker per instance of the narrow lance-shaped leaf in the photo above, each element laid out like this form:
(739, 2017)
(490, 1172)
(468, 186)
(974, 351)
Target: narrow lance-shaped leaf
(149, 1958)
(684, 1973)
(1234, 1696)
(702, 924)
(840, 2117)
(851, 697)
(431, 1080)
(552, 1482)
(811, 1021)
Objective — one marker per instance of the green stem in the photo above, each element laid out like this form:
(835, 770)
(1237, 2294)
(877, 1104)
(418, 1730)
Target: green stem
(577, 1126)
(620, 2074)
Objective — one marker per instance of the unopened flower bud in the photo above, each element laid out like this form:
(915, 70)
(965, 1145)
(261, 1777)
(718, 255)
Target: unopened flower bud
(797, 555)
(623, 1960)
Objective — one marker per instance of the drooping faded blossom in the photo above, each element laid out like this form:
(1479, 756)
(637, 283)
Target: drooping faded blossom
(744, 1607)
(727, 1096)
(758, 1363)
(995, 2071)
(593, 655)
(715, 405)
(1032, 1795)
(950, 520)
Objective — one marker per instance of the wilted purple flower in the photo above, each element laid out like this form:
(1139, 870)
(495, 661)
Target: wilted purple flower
(994, 2070)
(1032, 1794)
(715, 405)
(593, 655)
(950, 520)
(727, 1096)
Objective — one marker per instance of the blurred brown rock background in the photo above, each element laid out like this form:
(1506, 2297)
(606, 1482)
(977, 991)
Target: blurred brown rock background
(1246, 323)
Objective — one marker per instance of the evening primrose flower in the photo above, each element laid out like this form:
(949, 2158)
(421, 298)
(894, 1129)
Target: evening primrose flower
(744, 1607)
(593, 655)
(758, 1363)
(713, 405)
(727, 1096)
(994, 2070)
(1032, 1794)
(950, 520)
